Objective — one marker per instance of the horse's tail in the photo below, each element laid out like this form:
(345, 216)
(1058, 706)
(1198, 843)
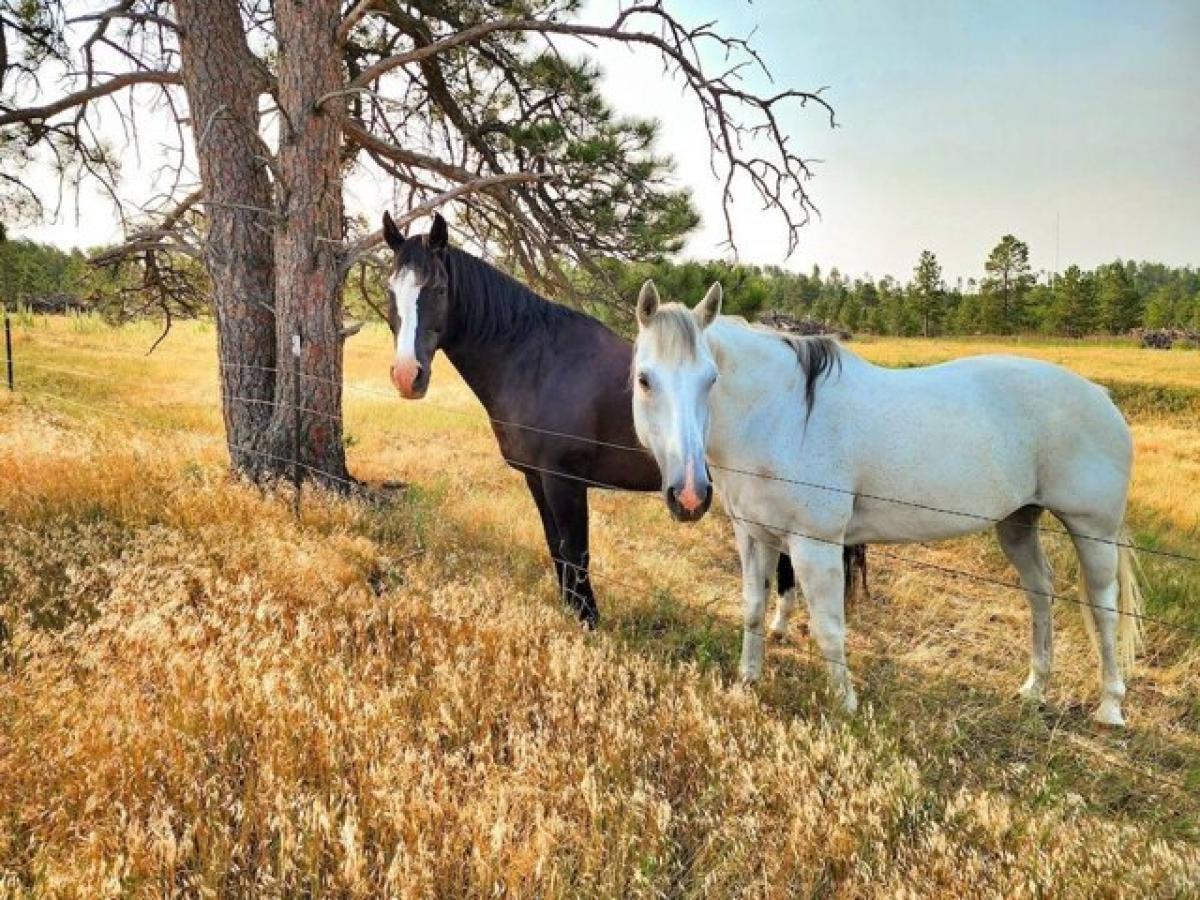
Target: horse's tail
(1129, 605)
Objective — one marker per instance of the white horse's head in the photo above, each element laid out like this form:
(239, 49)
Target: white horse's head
(673, 372)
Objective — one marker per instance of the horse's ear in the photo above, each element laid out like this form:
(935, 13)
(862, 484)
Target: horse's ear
(647, 304)
(391, 233)
(710, 307)
(439, 235)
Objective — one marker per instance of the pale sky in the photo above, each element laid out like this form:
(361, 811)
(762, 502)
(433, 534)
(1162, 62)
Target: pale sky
(959, 122)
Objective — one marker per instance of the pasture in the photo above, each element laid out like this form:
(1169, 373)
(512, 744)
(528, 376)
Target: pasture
(200, 694)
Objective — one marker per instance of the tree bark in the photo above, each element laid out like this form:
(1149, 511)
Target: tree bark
(309, 232)
(223, 83)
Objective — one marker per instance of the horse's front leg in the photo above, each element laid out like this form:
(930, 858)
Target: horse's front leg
(758, 564)
(822, 579)
(568, 503)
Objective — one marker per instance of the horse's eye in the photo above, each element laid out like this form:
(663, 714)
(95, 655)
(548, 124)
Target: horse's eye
(644, 381)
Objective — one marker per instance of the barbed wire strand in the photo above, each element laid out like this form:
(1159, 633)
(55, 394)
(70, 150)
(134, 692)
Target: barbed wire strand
(732, 517)
(346, 386)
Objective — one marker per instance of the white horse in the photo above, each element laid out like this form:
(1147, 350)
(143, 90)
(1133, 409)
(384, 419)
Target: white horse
(804, 438)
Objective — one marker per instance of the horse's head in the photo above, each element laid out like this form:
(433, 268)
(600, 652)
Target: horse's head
(673, 373)
(418, 303)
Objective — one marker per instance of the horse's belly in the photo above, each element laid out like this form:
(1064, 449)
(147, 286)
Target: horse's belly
(967, 498)
(889, 523)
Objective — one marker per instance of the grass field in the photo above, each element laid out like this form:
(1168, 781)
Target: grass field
(200, 695)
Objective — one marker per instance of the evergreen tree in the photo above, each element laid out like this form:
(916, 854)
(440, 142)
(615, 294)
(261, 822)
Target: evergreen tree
(1074, 311)
(1119, 304)
(1161, 308)
(1039, 306)
(927, 291)
(1008, 281)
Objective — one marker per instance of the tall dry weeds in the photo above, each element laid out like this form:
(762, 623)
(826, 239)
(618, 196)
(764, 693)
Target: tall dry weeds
(199, 696)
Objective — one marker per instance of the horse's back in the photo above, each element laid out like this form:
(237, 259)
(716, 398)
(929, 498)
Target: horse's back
(985, 435)
(1004, 431)
(1049, 407)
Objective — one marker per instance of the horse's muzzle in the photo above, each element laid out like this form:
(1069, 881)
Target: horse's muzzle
(688, 505)
(411, 380)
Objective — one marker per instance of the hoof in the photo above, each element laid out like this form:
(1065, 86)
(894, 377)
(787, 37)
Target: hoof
(778, 636)
(749, 679)
(1109, 714)
(850, 702)
(1033, 691)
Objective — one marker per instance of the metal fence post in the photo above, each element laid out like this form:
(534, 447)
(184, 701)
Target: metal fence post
(8, 354)
(296, 424)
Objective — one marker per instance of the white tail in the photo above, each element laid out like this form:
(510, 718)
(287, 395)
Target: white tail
(1129, 607)
(1129, 603)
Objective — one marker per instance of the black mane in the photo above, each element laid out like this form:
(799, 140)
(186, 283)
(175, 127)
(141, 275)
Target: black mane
(818, 356)
(492, 306)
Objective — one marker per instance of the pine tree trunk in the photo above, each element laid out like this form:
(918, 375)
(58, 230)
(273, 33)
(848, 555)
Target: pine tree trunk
(223, 83)
(308, 234)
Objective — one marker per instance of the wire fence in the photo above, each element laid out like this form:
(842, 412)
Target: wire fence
(856, 494)
(297, 465)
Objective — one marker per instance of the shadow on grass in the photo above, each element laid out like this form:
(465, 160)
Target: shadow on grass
(961, 733)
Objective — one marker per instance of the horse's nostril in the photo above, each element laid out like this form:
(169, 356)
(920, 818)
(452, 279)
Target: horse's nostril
(405, 376)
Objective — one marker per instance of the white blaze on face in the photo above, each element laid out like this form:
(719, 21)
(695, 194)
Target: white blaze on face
(406, 289)
(671, 418)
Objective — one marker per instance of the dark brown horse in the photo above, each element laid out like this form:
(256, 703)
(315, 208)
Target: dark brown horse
(555, 384)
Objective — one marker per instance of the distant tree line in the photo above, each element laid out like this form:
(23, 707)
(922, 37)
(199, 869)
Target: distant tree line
(36, 273)
(1111, 299)
(1114, 298)
(47, 279)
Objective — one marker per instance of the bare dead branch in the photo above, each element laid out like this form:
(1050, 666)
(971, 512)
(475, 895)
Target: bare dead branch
(81, 98)
(778, 178)
(152, 238)
(375, 238)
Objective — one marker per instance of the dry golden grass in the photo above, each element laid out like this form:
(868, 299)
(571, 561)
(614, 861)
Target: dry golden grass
(200, 696)
(1099, 360)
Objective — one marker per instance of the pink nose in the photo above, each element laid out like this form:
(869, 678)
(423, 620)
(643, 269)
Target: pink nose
(404, 376)
(689, 499)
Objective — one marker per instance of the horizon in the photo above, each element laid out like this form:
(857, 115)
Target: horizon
(1041, 275)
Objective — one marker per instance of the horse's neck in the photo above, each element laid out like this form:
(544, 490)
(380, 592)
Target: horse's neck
(756, 357)
(481, 342)
(761, 383)
(482, 367)
(749, 359)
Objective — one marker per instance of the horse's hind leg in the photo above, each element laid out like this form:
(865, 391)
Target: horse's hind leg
(1099, 562)
(854, 561)
(786, 580)
(1021, 542)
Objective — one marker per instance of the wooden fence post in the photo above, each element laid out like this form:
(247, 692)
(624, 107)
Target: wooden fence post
(8, 353)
